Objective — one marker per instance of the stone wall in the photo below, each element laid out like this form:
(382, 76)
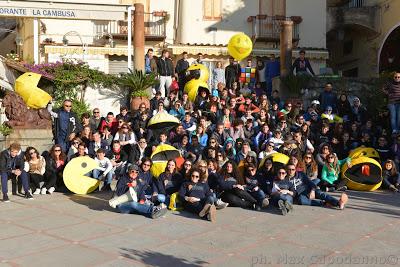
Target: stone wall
(42, 139)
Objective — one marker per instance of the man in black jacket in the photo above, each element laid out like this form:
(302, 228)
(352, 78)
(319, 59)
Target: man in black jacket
(232, 73)
(166, 71)
(181, 66)
(66, 124)
(12, 166)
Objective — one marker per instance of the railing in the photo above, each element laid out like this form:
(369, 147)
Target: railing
(356, 3)
(154, 26)
(269, 27)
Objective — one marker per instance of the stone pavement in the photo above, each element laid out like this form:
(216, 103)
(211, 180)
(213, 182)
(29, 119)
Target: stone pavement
(71, 230)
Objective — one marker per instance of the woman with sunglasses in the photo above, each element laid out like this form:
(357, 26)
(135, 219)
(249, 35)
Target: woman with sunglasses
(35, 166)
(167, 183)
(55, 163)
(282, 192)
(266, 176)
(185, 171)
(197, 197)
(310, 168)
(221, 158)
(125, 136)
(86, 135)
(74, 147)
(252, 186)
(232, 187)
(330, 173)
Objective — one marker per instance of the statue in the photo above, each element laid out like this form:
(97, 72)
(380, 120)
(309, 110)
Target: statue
(20, 116)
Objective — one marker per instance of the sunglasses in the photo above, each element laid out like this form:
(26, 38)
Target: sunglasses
(57, 150)
(252, 170)
(203, 166)
(331, 157)
(31, 153)
(67, 106)
(142, 142)
(134, 171)
(96, 112)
(291, 169)
(188, 164)
(397, 77)
(282, 172)
(76, 143)
(195, 176)
(219, 155)
(307, 157)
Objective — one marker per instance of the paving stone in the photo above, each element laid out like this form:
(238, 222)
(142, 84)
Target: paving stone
(44, 223)
(83, 231)
(71, 255)
(27, 244)
(121, 263)
(9, 230)
(22, 213)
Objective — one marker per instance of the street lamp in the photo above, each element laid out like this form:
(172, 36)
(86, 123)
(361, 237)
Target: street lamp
(65, 41)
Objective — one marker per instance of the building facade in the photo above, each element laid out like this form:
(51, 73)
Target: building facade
(194, 26)
(363, 36)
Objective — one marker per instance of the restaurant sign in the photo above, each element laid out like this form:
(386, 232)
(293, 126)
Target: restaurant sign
(37, 12)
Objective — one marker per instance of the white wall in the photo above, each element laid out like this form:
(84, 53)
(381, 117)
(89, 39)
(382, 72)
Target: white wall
(193, 28)
(169, 6)
(313, 27)
(56, 28)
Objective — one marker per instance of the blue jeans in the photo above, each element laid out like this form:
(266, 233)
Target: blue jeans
(97, 173)
(284, 197)
(4, 181)
(259, 195)
(161, 198)
(320, 198)
(394, 116)
(316, 181)
(135, 207)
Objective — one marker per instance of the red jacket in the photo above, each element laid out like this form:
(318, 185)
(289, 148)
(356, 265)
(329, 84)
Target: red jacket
(113, 125)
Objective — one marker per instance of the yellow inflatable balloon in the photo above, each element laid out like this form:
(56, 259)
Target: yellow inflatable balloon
(74, 175)
(192, 88)
(365, 174)
(33, 96)
(198, 71)
(240, 46)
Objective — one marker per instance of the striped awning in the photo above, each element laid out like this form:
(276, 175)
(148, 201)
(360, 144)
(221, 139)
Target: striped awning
(78, 50)
(223, 51)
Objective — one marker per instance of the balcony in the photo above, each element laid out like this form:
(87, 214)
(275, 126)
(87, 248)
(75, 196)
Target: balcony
(353, 15)
(268, 28)
(154, 27)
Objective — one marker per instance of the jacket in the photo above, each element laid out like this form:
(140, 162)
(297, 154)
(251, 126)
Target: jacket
(197, 190)
(301, 183)
(74, 125)
(331, 176)
(122, 187)
(8, 164)
(103, 145)
(165, 67)
(166, 184)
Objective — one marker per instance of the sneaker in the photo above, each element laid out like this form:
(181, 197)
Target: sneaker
(343, 200)
(265, 203)
(43, 191)
(393, 188)
(221, 205)
(5, 198)
(282, 207)
(157, 212)
(28, 195)
(289, 206)
(205, 210)
(51, 190)
(212, 214)
(37, 191)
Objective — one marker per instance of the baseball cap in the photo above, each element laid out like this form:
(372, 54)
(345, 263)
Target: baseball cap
(133, 167)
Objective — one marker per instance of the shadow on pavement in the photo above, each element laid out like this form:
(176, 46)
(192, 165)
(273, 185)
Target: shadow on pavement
(384, 202)
(152, 258)
(95, 201)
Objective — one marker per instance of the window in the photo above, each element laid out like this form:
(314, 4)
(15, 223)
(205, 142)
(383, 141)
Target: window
(212, 9)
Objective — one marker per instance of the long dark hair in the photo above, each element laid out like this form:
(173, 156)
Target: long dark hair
(28, 155)
(63, 157)
(235, 173)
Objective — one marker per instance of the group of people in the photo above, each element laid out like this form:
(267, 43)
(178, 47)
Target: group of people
(227, 138)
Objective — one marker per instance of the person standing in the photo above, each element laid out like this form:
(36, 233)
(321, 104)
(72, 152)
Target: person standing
(272, 70)
(392, 89)
(66, 124)
(150, 65)
(328, 98)
(232, 73)
(302, 64)
(218, 75)
(180, 70)
(165, 70)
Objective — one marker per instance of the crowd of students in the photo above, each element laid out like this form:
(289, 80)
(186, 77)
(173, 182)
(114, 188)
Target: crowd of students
(227, 138)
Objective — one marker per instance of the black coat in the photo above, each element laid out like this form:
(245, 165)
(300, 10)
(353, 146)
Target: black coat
(8, 164)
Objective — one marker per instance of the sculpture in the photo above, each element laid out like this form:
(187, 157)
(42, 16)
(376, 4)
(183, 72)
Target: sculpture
(20, 116)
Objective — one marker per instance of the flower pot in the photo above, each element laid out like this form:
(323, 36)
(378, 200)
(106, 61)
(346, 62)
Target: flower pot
(137, 100)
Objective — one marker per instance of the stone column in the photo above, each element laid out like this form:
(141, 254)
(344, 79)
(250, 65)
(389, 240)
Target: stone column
(286, 46)
(138, 36)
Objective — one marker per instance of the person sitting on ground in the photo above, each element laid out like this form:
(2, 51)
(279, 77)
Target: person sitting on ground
(118, 158)
(282, 192)
(252, 186)
(307, 193)
(330, 173)
(12, 166)
(104, 171)
(197, 197)
(130, 180)
(391, 177)
(96, 144)
(74, 147)
(55, 163)
(35, 166)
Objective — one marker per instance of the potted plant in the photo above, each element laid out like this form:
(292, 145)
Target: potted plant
(138, 84)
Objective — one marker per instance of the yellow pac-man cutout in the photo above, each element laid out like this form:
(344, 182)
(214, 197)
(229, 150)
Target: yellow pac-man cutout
(192, 88)
(74, 175)
(199, 71)
(365, 174)
(240, 46)
(364, 152)
(33, 96)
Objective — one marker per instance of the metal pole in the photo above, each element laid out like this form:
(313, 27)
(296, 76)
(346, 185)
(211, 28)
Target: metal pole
(130, 37)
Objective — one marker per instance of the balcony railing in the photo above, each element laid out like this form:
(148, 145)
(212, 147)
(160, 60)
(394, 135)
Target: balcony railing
(356, 3)
(268, 28)
(154, 27)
